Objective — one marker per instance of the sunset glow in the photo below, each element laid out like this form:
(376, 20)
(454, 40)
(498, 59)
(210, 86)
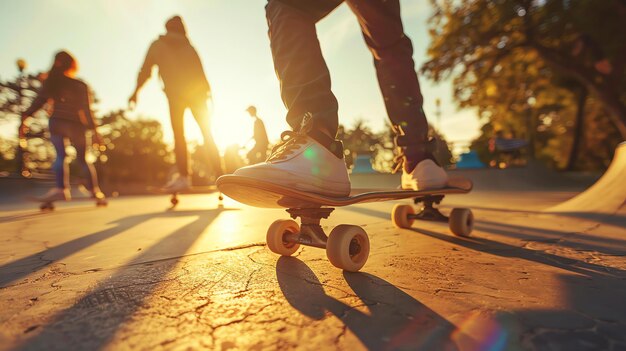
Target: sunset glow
(110, 40)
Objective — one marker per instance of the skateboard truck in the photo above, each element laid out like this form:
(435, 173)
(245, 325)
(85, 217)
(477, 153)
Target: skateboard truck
(460, 221)
(428, 211)
(311, 232)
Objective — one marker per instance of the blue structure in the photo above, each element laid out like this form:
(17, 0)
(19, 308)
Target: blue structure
(363, 164)
(469, 160)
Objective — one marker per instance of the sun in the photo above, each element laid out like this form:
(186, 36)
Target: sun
(228, 127)
(230, 123)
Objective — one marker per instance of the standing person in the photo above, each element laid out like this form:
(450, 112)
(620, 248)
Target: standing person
(70, 119)
(185, 86)
(309, 158)
(258, 153)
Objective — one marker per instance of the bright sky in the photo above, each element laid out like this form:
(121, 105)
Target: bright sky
(110, 39)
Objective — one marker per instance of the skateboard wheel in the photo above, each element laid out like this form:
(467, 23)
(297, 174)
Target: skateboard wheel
(400, 216)
(461, 221)
(348, 247)
(276, 237)
(101, 203)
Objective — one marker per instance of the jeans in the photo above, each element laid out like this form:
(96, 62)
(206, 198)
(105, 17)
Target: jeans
(198, 107)
(63, 132)
(304, 77)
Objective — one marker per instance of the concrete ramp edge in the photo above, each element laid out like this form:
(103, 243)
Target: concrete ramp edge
(607, 195)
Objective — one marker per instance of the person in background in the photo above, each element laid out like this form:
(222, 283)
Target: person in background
(258, 153)
(186, 87)
(71, 117)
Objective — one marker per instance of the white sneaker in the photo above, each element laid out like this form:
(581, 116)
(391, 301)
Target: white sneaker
(302, 163)
(178, 184)
(427, 175)
(55, 194)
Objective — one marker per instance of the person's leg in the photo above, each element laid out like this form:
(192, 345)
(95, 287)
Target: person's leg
(382, 29)
(307, 158)
(177, 114)
(299, 64)
(381, 25)
(201, 114)
(59, 167)
(79, 142)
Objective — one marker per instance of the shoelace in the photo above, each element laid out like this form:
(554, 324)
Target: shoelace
(398, 162)
(289, 142)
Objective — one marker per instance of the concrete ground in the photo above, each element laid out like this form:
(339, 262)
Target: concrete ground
(135, 276)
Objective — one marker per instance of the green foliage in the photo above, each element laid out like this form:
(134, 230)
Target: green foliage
(523, 63)
(360, 139)
(7, 155)
(134, 151)
(15, 96)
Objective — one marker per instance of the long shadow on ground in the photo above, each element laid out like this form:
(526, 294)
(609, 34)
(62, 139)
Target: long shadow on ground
(395, 319)
(594, 317)
(18, 269)
(120, 296)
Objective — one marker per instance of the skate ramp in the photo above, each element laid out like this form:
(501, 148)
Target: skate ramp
(607, 195)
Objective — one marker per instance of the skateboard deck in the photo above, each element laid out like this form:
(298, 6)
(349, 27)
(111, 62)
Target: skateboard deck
(258, 193)
(347, 246)
(49, 205)
(189, 191)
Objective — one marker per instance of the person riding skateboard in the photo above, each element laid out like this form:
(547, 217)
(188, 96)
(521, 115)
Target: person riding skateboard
(258, 153)
(71, 117)
(309, 158)
(185, 86)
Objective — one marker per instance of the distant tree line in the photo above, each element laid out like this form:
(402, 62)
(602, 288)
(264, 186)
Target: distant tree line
(549, 71)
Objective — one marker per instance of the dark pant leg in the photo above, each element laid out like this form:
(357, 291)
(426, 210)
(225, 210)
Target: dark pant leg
(79, 142)
(59, 167)
(300, 67)
(201, 114)
(177, 114)
(382, 29)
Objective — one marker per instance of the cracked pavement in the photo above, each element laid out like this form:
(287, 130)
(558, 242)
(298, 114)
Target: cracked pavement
(133, 276)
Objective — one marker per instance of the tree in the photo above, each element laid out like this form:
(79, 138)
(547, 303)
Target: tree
(133, 152)
(521, 61)
(578, 38)
(7, 155)
(32, 153)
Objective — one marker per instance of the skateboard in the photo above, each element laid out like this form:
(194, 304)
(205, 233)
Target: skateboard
(193, 190)
(347, 246)
(49, 205)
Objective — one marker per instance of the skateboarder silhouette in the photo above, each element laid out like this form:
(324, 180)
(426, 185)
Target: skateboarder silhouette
(258, 153)
(70, 119)
(185, 86)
